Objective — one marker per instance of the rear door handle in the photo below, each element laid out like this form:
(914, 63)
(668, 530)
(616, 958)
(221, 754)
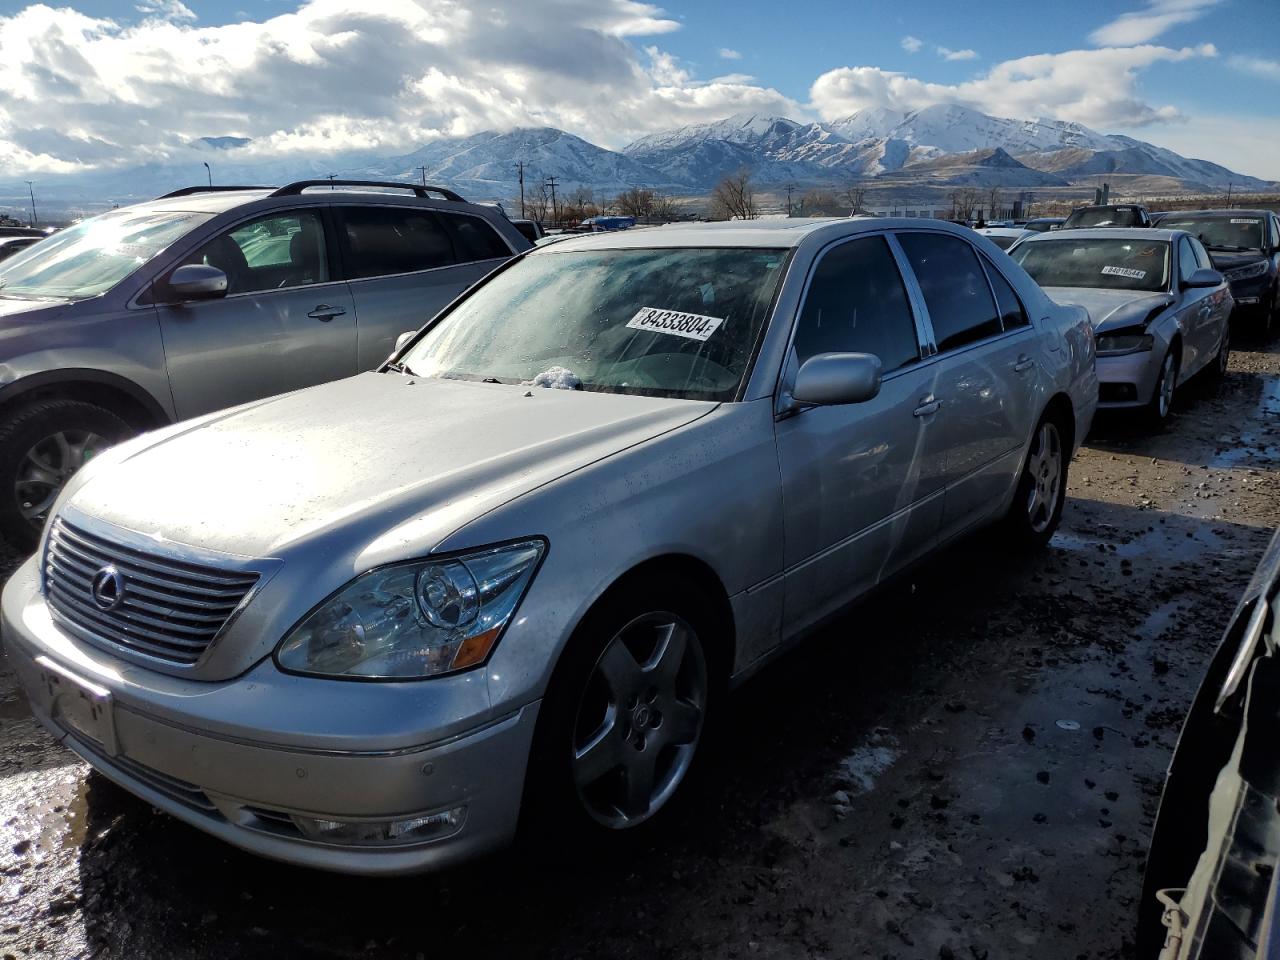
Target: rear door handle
(1024, 363)
(326, 312)
(928, 405)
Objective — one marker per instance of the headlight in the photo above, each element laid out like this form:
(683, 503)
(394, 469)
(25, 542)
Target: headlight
(413, 620)
(1249, 271)
(1110, 344)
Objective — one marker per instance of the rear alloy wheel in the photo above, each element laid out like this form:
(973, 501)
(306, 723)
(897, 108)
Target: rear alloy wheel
(1042, 488)
(639, 720)
(1162, 396)
(41, 448)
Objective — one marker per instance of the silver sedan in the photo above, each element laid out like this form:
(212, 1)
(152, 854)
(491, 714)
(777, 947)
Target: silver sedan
(368, 625)
(1159, 309)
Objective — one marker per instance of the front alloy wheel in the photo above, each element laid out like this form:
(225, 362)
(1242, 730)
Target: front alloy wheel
(639, 719)
(1162, 397)
(47, 465)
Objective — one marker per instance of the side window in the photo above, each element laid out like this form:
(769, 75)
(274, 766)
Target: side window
(270, 253)
(382, 241)
(954, 287)
(476, 239)
(1186, 260)
(1275, 232)
(1012, 314)
(857, 304)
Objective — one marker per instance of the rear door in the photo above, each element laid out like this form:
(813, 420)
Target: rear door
(860, 490)
(985, 376)
(285, 323)
(406, 263)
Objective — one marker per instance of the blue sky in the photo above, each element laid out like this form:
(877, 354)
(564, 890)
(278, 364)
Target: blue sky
(104, 82)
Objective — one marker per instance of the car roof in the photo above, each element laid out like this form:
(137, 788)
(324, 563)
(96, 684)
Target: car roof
(1109, 233)
(219, 201)
(777, 232)
(1207, 214)
(1003, 231)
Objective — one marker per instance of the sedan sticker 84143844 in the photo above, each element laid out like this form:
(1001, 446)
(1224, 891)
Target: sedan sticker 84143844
(692, 325)
(1124, 272)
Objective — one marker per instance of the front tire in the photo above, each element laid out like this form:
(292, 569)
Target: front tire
(1218, 367)
(624, 718)
(1042, 488)
(1161, 403)
(41, 446)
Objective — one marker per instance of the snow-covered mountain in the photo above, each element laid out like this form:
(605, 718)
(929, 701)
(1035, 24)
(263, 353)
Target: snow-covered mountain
(938, 146)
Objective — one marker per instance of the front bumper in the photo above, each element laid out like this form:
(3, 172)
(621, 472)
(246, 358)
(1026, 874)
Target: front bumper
(162, 743)
(1128, 380)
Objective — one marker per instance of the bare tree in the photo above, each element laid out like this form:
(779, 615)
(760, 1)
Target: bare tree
(636, 202)
(963, 201)
(579, 205)
(820, 203)
(734, 198)
(993, 203)
(538, 203)
(665, 209)
(854, 195)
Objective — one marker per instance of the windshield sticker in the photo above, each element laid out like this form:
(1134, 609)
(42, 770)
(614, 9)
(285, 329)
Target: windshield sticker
(1252, 223)
(1124, 272)
(694, 326)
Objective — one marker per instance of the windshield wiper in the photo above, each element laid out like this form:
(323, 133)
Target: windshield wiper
(396, 366)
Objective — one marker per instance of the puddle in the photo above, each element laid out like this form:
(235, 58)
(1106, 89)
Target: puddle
(1158, 620)
(1250, 449)
(1168, 541)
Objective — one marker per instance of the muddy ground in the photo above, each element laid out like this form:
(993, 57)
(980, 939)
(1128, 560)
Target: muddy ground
(965, 767)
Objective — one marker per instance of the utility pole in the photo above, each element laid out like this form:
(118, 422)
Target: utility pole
(551, 182)
(790, 209)
(208, 171)
(31, 190)
(1229, 186)
(331, 176)
(520, 169)
(423, 171)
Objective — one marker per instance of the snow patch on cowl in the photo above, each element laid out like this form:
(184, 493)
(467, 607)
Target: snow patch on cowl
(557, 378)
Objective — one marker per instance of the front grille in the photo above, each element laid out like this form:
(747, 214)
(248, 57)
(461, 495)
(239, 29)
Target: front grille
(167, 608)
(185, 793)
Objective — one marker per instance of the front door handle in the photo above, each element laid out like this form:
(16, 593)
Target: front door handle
(326, 313)
(928, 405)
(1024, 363)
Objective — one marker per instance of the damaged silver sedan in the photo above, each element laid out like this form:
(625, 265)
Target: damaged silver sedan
(370, 625)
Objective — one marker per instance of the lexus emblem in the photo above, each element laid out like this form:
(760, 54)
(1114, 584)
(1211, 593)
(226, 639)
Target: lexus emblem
(107, 588)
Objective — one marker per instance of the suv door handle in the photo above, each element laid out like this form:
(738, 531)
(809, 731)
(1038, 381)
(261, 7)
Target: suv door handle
(1024, 363)
(325, 312)
(928, 405)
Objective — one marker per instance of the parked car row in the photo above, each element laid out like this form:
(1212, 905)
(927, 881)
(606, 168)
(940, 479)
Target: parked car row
(371, 625)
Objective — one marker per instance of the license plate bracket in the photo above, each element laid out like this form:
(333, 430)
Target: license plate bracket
(79, 706)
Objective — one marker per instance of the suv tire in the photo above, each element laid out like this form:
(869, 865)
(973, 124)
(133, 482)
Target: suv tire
(41, 445)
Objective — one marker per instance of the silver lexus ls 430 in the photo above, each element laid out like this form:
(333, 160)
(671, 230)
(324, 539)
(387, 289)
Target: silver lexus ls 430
(365, 626)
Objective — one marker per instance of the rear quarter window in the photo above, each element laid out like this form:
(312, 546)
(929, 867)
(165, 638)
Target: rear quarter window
(476, 239)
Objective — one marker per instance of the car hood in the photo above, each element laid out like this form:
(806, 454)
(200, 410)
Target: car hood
(1113, 309)
(346, 462)
(14, 307)
(1225, 260)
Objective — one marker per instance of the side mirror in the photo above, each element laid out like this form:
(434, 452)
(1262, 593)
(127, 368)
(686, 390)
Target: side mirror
(827, 379)
(402, 340)
(1203, 277)
(196, 281)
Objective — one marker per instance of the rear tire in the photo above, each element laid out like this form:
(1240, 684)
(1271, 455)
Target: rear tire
(1042, 488)
(41, 446)
(624, 724)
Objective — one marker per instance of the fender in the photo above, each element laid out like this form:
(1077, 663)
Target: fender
(67, 375)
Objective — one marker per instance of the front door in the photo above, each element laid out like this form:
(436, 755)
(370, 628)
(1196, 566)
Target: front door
(860, 492)
(284, 323)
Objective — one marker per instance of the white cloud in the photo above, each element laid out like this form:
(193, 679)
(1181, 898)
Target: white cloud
(727, 54)
(1095, 87)
(79, 91)
(948, 54)
(912, 44)
(1143, 26)
(1258, 66)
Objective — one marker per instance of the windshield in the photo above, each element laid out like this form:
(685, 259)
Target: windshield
(1103, 217)
(1220, 233)
(92, 257)
(672, 323)
(1105, 264)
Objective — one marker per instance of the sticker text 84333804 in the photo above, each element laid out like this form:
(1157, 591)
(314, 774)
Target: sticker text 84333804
(694, 326)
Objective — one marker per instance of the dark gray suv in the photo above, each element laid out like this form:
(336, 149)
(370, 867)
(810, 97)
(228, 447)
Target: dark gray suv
(210, 297)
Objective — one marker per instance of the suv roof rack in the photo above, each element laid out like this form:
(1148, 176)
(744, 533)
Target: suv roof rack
(421, 190)
(188, 191)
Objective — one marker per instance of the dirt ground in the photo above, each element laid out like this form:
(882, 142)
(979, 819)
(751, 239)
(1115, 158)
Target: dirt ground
(965, 767)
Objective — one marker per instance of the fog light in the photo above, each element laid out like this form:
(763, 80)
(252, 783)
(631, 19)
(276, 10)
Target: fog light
(382, 833)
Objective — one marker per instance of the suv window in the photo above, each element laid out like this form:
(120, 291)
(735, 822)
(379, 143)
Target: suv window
(1186, 260)
(382, 241)
(857, 303)
(954, 287)
(1012, 313)
(476, 239)
(270, 253)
